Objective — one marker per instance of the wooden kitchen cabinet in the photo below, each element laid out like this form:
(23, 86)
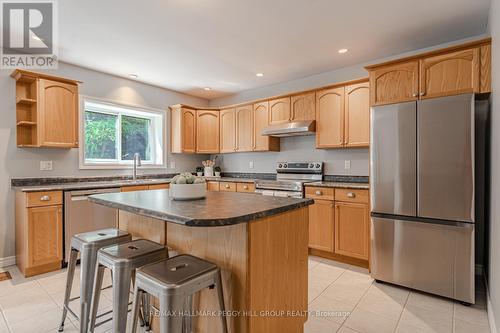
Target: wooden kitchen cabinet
(357, 115)
(244, 128)
(330, 118)
(303, 107)
(46, 110)
(213, 186)
(182, 130)
(227, 187)
(321, 225)
(279, 111)
(207, 131)
(261, 121)
(228, 131)
(134, 188)
(159, 187)
(352, 230)
(39, 239)
(245, 187)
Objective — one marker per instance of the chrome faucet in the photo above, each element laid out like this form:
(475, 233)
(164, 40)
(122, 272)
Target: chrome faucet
(137, 163)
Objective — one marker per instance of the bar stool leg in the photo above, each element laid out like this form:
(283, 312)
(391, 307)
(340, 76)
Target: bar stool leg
(69, 284)
(121, 291)
(170, 318)
(188, 313)
(222, 308)
(146, 310)
(88, 264)
(97, 294)
(138, 296)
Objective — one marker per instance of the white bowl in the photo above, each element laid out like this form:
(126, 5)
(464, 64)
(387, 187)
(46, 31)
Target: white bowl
(188, 191)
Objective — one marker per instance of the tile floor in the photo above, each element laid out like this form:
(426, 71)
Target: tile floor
(342, 298)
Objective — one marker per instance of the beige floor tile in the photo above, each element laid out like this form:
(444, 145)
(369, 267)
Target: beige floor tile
(319, 325)
(429, 320)
(370, 322)
(348, 288)
(327, 272)
(427, 301)
(407, 328)
(312, 264)
(333, 263)
(3, 325)
(462, 326)
(316, 286)
(40, 323)
(330, 309)
(31, 302)
(471, 314)
(16, 284)
(384, 300)
(345, 329)
(358, 269)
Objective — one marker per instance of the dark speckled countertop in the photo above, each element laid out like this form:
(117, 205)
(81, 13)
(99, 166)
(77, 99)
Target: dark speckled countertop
(217, 209)
(359, 186)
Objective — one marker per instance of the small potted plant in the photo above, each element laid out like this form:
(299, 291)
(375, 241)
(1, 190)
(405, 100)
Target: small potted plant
(199, 171)
(217, 171)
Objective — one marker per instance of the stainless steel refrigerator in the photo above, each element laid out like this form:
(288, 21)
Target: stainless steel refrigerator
(424, 160)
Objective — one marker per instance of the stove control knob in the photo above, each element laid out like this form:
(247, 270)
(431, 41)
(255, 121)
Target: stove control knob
(311, 166)
(280, 166)
(318, 166)
(285, 165)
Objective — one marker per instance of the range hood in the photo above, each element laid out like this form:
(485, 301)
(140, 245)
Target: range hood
(296, 128)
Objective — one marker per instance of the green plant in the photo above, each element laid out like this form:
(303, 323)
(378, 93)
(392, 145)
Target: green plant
(199, 169)
(217, 169)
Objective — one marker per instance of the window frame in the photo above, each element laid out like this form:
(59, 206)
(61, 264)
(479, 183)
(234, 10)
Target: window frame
(158, 135)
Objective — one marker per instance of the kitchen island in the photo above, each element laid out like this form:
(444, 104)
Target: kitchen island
(259, 242)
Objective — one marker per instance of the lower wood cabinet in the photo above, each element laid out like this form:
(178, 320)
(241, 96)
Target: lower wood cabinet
(144, 187)
(213, 186)
(216, 186)
(352, 230)
(39, 238)
(321, 225)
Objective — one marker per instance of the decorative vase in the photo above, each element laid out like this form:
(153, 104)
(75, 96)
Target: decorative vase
(209, 171)
(217, 173)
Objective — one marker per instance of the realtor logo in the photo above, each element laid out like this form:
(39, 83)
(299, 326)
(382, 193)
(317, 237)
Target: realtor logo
(28, 34)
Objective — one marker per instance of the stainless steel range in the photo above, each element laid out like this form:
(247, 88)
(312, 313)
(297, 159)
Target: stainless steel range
(290, 179)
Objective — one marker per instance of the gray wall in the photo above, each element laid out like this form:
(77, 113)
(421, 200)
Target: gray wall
(494, 234)
(17, 162)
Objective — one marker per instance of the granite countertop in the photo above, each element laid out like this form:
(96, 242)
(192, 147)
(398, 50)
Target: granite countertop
(361, 186)
(230, 179)
(82, 185)
(217, 209)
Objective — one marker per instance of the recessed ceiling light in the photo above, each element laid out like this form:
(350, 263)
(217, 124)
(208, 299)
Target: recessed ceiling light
(259, 74)
(207, 88)
(342, 51)
(133, 76)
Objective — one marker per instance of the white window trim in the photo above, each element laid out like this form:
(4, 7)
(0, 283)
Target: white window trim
(113, 165)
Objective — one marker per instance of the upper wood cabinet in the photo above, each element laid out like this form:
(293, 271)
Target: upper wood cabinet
(394, 83)
(228, 131)
(279, 111)
(207, 131)
(357, 115)
(183, 130)
(485, 65)
(450, 74)
(330, 118)
(303, 107)
(261, 121)
(46, 110)
(244, 128)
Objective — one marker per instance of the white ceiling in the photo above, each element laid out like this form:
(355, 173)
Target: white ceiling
(186, 45)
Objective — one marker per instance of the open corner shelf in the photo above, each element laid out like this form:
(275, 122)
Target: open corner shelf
(27, 101)
(26, 123)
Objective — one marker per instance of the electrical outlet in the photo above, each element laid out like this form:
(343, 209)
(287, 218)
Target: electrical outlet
(46, 165)
(172, 165)
(250, 164)
(347, 164)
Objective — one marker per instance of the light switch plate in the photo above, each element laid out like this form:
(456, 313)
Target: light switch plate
(46, 165)
(347, 164)
(250, 164)
(172, 165)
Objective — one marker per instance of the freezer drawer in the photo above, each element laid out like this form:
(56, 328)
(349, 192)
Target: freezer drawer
(434, 258)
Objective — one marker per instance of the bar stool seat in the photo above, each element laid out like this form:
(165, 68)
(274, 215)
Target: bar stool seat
(123, 259)
(87, 245)
(174, 281)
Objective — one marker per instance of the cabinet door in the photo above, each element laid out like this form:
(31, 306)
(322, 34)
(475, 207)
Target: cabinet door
(450, 74)
(207, 131)
(352, 233)
(303, 107)
(330, 118)
(213, 186)
(394, 83)
(188, 129)
(357, 115)
(44, 235)
(321, 224)
(58, 112)
(261, 121)
(227, 131)
(244, 128)
(279, 111)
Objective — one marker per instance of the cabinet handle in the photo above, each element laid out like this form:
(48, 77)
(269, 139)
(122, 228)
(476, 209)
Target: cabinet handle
(422, 93)
(415, 95)
(45, 198)
(227, 186)
(351, 195)
(319, 193)
(245, 187)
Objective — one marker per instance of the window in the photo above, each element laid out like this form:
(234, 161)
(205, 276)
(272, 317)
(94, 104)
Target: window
(113, 133)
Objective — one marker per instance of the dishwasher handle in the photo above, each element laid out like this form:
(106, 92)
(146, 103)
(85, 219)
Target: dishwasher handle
(84, 194)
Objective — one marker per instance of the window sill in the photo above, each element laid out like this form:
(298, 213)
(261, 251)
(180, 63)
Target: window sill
(120, 167)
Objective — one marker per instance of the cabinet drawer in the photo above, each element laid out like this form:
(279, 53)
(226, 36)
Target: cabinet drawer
(351, 195)
(227, 187)
(245, 187)
(47, 198)
(213, 186)
(324, 193)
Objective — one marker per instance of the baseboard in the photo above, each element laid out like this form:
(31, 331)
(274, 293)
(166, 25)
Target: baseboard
(7, 261)
(489, 309)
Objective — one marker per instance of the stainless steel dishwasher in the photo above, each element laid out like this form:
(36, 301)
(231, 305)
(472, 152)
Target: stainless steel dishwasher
(81, 215)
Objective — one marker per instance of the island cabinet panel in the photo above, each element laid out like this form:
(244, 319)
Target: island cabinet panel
(279, 111)
(352, 230)
(357, 115)
(207, 131)
(228, 131)
(261, 121)
(321, 225)
(450, 74)
(330, 118)
(183, 130)
(394, 83)
(244, 128)
(303, 107)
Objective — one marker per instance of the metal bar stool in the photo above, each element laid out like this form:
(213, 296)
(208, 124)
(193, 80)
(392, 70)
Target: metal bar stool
(87, 244)
(123, 259)
(174, 281)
